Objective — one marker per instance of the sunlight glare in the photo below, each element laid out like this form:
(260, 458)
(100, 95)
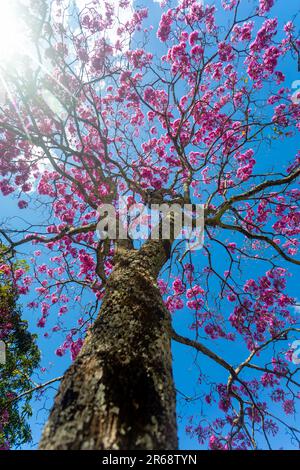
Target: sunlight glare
(12, 31)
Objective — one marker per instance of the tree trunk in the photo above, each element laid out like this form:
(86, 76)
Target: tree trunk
(119, 392)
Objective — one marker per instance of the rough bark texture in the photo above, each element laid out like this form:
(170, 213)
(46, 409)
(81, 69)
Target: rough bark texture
(119, 392)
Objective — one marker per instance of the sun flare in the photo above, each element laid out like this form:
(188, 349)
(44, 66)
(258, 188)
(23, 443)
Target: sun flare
(12, 31)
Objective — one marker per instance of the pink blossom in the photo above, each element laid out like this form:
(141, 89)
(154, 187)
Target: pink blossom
(193, 37)
(22, 204)
(165, 26)
(265, 6)
(289, 407)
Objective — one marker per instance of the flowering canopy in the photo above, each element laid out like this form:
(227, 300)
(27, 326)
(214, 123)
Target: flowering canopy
(95, 115)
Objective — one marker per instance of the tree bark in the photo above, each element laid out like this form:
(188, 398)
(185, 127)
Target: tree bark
(119, 392)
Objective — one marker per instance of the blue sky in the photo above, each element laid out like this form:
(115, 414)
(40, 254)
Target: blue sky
(186, 363)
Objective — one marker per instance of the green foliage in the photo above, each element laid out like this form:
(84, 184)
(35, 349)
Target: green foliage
(22, 357)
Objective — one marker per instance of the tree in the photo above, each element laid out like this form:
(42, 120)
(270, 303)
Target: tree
(95, 117)
(21, 358)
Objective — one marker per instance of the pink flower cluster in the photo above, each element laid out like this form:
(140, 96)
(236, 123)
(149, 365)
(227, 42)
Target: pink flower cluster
(265, 6)
(268, 312)
(165, 24)
(246, 162)
(73, 345)
(242, 32)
